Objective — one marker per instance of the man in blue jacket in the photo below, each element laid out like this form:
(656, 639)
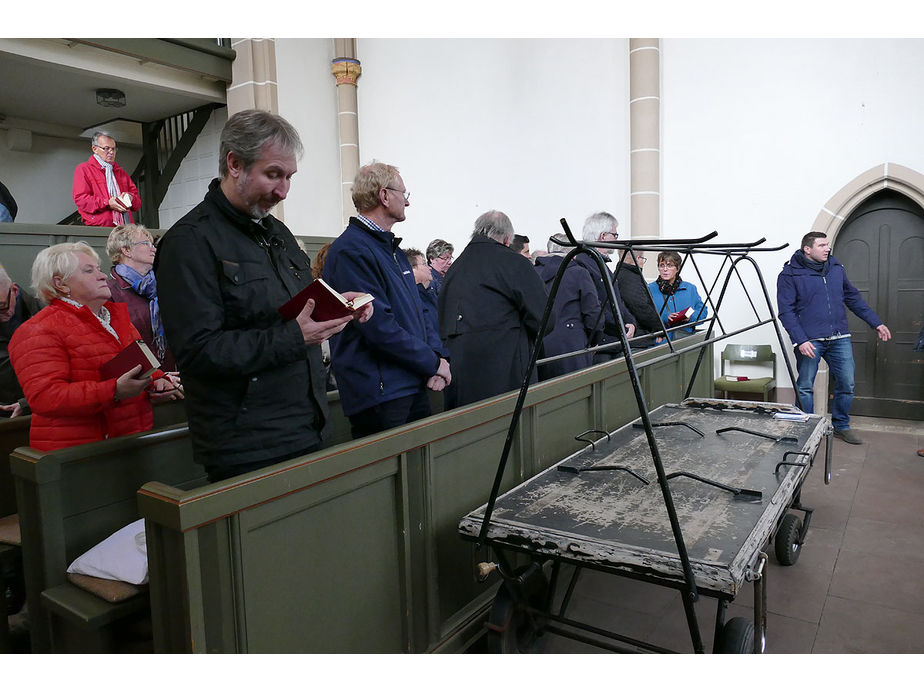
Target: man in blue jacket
(385, 365)
(812, 295)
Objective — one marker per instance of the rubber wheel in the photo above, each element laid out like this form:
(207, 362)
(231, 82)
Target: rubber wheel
(509, 628)
(737, 637)
(787, 545)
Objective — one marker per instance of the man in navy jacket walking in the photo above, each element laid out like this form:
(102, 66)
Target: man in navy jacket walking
(812, 295)
(385, 365)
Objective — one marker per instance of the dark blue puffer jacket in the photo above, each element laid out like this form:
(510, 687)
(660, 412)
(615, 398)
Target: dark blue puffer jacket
(813, 304)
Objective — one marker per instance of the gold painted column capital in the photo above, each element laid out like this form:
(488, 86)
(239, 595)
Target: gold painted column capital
(346, 70)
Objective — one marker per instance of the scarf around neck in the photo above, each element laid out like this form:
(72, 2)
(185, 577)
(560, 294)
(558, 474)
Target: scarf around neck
(668, 288)
(813, 265)
(145, 285)
(112, 187)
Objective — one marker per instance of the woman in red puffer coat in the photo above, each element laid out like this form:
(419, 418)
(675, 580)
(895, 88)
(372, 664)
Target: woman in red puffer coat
(57, 355)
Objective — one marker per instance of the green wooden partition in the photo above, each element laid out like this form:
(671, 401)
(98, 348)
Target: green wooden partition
(71, 499)
(355, 548)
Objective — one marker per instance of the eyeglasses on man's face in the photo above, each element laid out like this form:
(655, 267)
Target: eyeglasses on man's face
(147, 243)
(108, 150)
(664, 265)
(612, 235)
(407, 195)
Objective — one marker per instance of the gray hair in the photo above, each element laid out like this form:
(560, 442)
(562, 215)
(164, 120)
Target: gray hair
(495, 225)
(598, 223)
(97, 135)
(247, 132)
(558, 243)
(4, 277)
(437, 247)
(123, 236)
(57, 261)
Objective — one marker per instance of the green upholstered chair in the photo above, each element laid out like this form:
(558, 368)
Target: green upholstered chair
(736, 354)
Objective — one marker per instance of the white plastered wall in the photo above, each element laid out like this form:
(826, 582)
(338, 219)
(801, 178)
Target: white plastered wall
(760, 134)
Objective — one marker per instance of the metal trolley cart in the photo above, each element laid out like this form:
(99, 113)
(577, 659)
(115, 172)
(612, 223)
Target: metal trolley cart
(686, 496)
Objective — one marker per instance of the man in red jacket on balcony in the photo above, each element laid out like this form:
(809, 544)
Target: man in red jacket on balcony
(103, 192)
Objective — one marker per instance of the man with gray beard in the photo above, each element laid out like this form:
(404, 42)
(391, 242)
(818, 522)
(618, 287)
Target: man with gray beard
(254, 382)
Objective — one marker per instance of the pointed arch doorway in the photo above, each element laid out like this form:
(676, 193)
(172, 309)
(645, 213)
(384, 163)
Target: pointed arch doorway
(881, 245)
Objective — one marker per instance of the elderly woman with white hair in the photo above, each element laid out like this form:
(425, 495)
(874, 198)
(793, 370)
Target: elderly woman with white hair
(58, 353)
(131, 249)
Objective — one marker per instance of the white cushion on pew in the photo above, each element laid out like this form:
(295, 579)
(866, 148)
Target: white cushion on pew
(122, 556)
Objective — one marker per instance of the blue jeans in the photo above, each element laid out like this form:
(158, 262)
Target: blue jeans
(838, 354)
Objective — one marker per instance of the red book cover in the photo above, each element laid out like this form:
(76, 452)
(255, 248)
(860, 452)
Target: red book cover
(328, 304)
(136, 353)
(683, 317)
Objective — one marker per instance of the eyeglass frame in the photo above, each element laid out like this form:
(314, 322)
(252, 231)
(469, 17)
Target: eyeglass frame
(106, 149)
(148, 243)
(667, 264)
(405, 193)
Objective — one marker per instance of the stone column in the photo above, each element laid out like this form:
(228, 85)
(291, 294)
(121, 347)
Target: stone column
(645, 138)
(253, 83)
(346, 70)
(253, 76)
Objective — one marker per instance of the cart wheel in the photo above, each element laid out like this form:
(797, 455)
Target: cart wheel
(737, 637)
(509, 627)
(787, 544)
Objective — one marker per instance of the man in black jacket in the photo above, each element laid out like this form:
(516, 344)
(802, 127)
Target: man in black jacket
(254, 383)
(602, 226)
(634, 292)
(491, 305)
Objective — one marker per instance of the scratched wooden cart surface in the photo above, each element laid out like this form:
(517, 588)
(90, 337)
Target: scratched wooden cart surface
(611, 519)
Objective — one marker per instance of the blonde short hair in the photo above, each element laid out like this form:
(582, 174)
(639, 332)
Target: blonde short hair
(122, 237)
(57, 261)
(368, 182)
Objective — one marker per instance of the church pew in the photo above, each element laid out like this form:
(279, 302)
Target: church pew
(69, 500)
(355, 548)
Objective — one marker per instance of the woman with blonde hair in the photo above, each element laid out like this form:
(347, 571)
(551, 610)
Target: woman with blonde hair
(131, 249)
(57, 355)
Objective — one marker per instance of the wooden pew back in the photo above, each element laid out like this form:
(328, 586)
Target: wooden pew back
(355, 548)
(69, 500)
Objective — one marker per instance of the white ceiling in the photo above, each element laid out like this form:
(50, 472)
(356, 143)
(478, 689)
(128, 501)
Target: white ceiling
(60, 98)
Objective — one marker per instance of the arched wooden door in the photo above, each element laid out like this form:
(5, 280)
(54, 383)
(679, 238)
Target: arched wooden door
(881, 245)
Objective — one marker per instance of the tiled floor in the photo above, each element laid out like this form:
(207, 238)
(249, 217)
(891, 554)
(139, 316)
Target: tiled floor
(858, 585)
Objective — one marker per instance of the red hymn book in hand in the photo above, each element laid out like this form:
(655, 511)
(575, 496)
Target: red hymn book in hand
(136, 353)
(328, 304)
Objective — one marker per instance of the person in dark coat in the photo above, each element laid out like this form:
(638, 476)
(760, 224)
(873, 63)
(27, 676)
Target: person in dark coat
(576, 307)
(383, 367)
(254, 382)
(602, 226)
(424, 279)
(16, 306)
(8, 206)
(634, 292)
(439, 258)
(490, 307)
(812, 296)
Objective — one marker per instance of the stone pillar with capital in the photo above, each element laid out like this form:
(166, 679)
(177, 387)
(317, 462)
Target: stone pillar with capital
(346, 70)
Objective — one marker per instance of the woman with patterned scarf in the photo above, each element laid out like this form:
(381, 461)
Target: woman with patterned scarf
(672, 296)
(131, 249)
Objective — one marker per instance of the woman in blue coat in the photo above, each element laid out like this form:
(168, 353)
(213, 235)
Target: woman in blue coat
(672, 295)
